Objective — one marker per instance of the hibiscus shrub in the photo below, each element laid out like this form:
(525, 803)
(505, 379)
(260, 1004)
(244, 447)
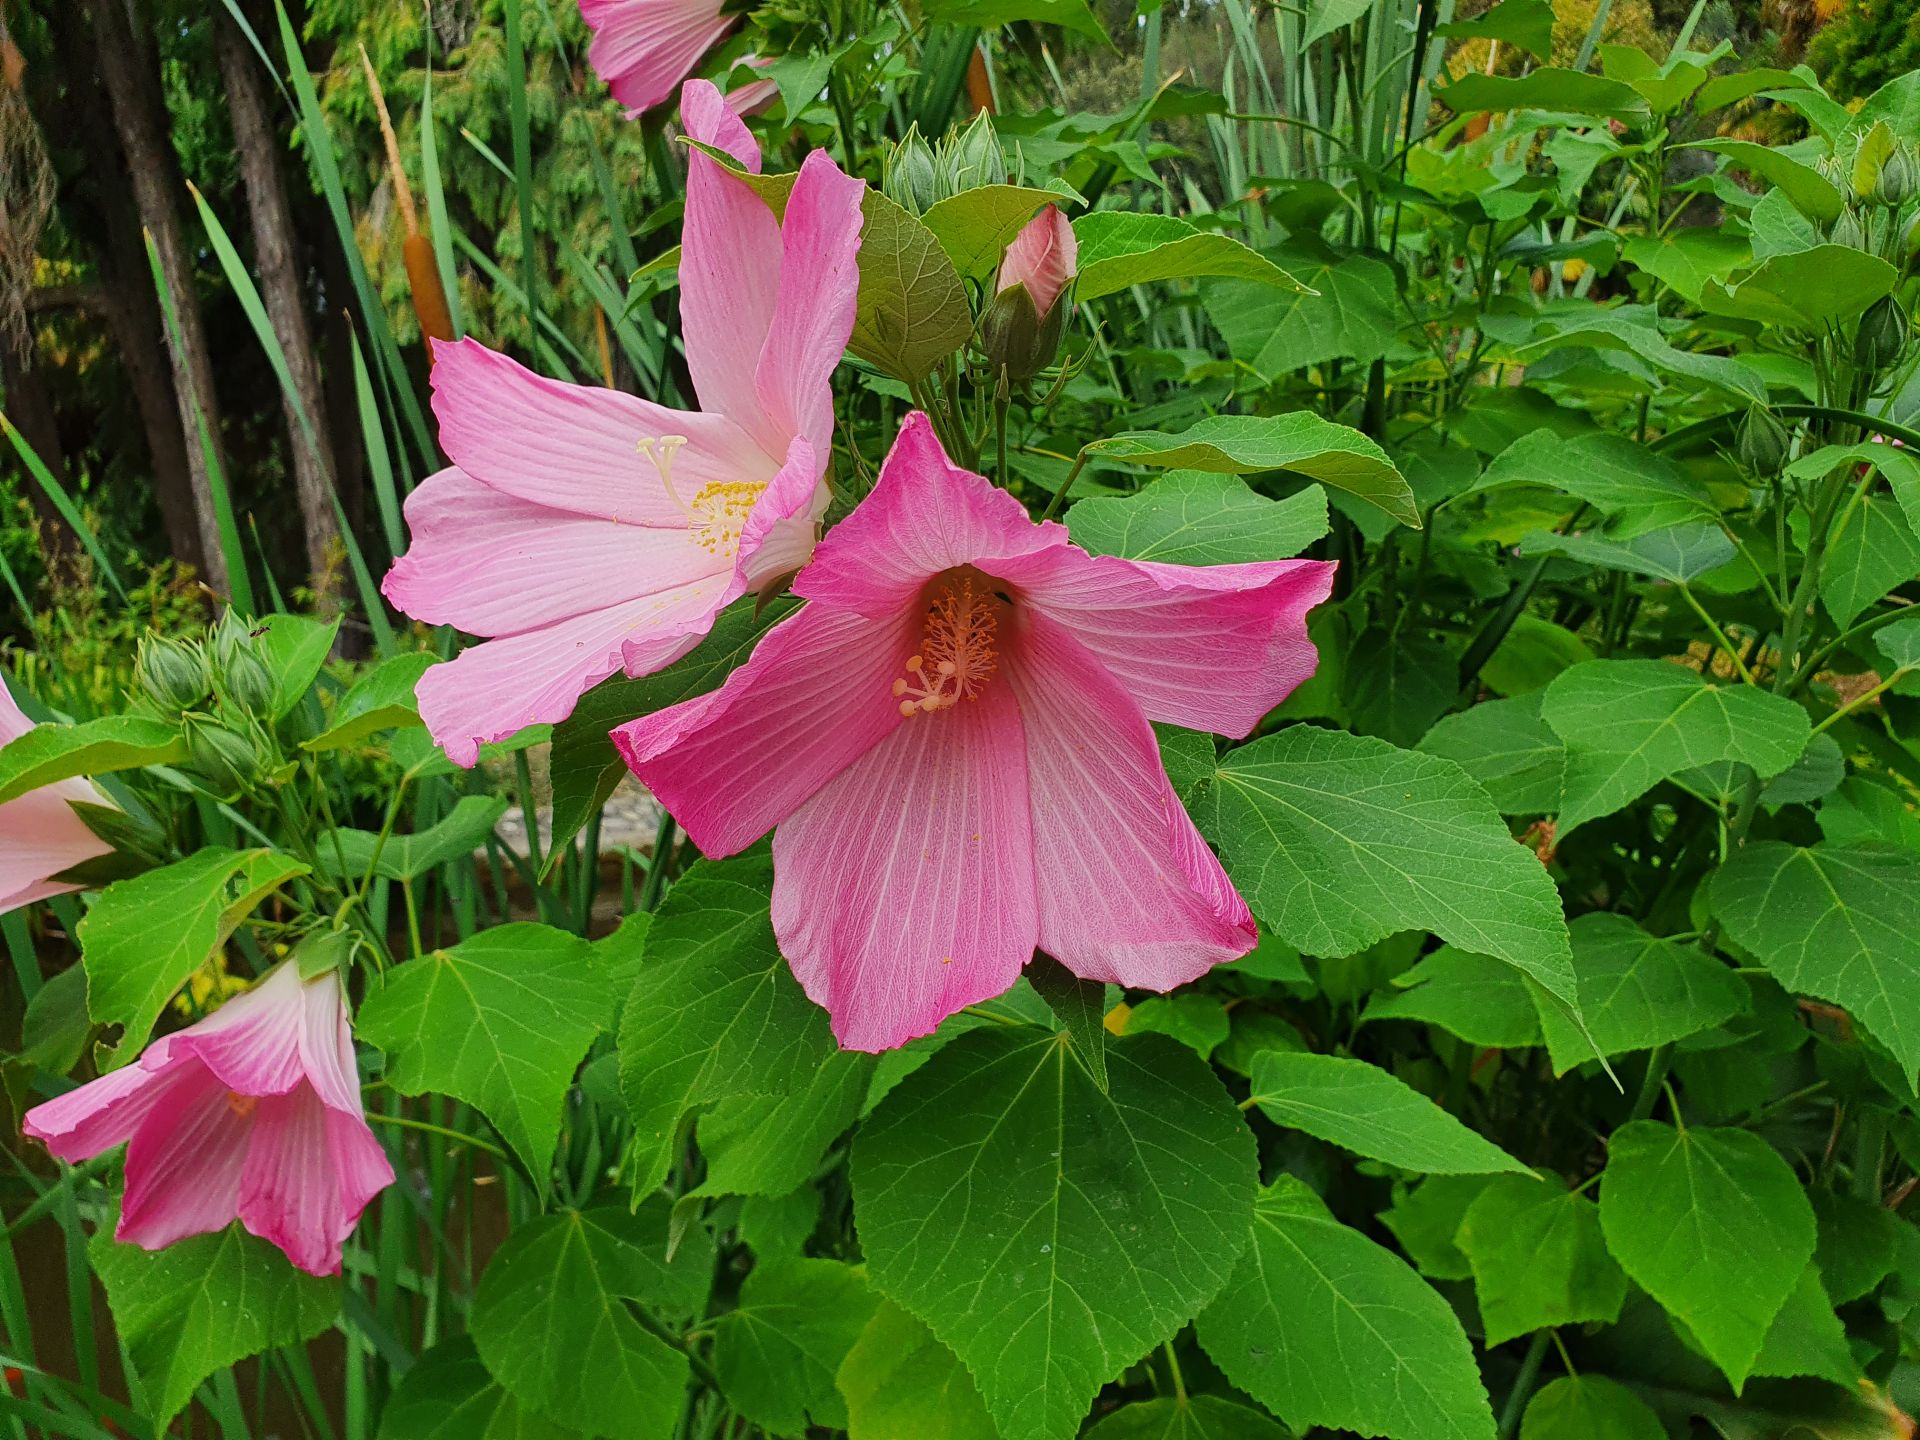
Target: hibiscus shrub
(1296, 817)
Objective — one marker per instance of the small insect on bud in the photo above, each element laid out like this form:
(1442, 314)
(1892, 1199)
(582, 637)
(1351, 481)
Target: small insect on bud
(1761, 442)
(1882, 336)
(912, 179)
(172, 672)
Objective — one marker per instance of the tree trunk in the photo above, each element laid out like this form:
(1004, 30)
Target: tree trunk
(130, 307)
(132, 82)
(30, 408)
(273, 258)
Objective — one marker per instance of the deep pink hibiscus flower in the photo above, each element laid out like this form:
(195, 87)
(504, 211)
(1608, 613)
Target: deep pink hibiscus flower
(952, 740)
(40, 836)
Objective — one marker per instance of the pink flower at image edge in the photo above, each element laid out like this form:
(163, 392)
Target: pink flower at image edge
(584, 531)
(642, 49)
(253, 1113)
(40, 836)
(951, 743)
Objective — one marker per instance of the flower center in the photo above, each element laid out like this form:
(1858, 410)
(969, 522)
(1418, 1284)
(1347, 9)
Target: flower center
(719, 513)
(241, 1105)
(956, 656)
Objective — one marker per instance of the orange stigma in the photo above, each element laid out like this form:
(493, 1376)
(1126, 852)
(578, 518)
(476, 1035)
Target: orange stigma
(241, 1105)
(956, 656)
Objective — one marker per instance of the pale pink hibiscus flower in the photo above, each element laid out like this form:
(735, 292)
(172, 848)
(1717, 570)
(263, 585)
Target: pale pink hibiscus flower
(952, 738)
(588, 531)
(40, 835)
(252, 1113)
(644, 48)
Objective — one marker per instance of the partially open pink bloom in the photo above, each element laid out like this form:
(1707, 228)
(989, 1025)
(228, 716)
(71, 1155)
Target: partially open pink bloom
(252, 1113)
(589, 531)
(40, 836)
(644, 48)
(1044, 257)
(952, 738)
(752, 96)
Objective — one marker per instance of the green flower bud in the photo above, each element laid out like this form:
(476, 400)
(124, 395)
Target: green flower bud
(1018, 340)
(1848, 231)
(1895, 183)
(912, 179)
(1882, 335)
(222, 757)
(1910, 239)
(231, 636)
(974, 157)
(1761, 442)
(246, 685)
(173, 673)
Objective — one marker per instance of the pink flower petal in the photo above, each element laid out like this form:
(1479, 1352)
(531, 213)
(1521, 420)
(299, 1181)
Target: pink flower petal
(1208, 647)
(730, 259)
(815, 695)
(497, 689)
(904, 890)
(40, 837)
(577, 447)
(13, 720)
(103, 1113)
(184, 1162)
(813, 315)
(309, 1173)
(924, 515)
(1128, 892)
(643, 48)
(492, 564)
(1043, 257)
(778, 537)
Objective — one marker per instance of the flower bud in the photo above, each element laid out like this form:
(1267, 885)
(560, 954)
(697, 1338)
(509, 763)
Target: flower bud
(246, 684)
(1019, 341)
(173, 673)
(912, 179)
(222, 757)
(231, 636)
(1848, 231)
(974, 158)
(1761, 442)
(1910, 239)
(1882, 335)
(1895, 183)
(1043, 257)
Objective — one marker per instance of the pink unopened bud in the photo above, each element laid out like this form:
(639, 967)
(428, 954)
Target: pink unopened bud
(1042, 257)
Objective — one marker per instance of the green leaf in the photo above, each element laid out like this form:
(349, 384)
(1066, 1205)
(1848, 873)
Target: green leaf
(1638, 991)
(381, 699)
(203, 1303)
(1484, 1001)
(1805, 290)
(898, 1380)
(1807, 1338)
(1864, 811)
(448, 1395)
(1534, 652)
(1081, 1008)
(1679, 554)
(1570, 91)
(912, 311)
(1686, 1212)
(1397, 683)
(293, 648)
(1900, 643)
(1362, 1108)
(1834, 922)
(1190, 517)
(777, 1352)
(1339, 841)
(1007, 1202)
(1526, 23)
(1351, 311)
(1870, 549)
(1589, 1407)
(1198, 1021)
(500, 1021)
(767, 1145)
(551, 1321)
(143, 937)
(48, 753)
(1182, 1417)
(1812, 194)
(54, 1029)
(1538, 1258)
(350, 854)
(1326, 16)
(1687, 259)
(1121, 248)
(1427, 1219)
(716, 1013)
(1859, 1243)
(1629, 724)
(990, 14)
(1324, 1327)
(1300, 442)
(1636, 330)
(1609, 472)
(1507, 748)
(585, 768)
(976, 226)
